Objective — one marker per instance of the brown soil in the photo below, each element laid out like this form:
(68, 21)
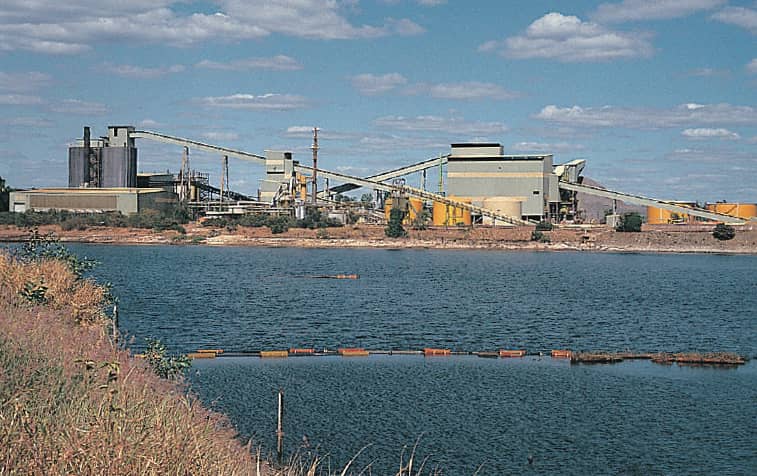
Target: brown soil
(664, 239)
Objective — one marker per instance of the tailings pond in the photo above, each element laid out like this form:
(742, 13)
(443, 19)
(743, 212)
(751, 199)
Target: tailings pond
(505, 416)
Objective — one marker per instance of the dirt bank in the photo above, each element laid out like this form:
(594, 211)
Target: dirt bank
(662, 239)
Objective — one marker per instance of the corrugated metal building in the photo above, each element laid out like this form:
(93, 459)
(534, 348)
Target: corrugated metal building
(107, 162)
(91, 200)
(482, 173)
(279, 171)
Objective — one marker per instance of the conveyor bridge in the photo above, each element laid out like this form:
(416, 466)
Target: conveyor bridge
(650, 202)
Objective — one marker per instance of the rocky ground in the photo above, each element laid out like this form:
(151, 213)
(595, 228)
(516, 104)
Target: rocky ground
(666, 239)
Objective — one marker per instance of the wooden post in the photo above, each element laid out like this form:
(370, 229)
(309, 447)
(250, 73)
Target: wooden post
(115, 323)
(280, 428)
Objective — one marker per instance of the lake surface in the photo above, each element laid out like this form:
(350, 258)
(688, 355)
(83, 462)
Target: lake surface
(628, 418)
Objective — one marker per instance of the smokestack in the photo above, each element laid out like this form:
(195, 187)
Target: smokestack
(87, 143)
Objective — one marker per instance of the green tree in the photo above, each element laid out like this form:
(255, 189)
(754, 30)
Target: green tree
(367, 200)
(544, 226)
(723, 232)
(278, 224)
(165, 365)
(629, 222)
(394, 228)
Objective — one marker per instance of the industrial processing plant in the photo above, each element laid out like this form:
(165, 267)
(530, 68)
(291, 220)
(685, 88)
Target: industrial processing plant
(478, 185)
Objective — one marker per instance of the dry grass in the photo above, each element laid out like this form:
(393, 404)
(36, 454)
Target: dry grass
(72, 403)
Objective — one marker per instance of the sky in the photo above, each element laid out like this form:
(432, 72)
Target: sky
(659, 96)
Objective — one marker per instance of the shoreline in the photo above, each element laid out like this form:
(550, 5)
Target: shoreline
(591, 240)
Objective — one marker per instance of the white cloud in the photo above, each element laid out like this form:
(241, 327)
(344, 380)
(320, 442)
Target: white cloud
(569, 39)
(320, 19)
(46, 26)
(141, 72)
(705, 133)
(468, 90)
(149, 123)
(445, 125)
(425, 3)
(53, 35)
(79, 107)
(751, 67)
(740, 16)
(382, 143)
(708, 72)
(372, 84)
(24, 82)
(547, 147)
(222, 136)
(402, 27)
(263, 102)
(274, 63)
(27, 122)
(716, 156)
(639, 10)
(648, 118)
(19, 100)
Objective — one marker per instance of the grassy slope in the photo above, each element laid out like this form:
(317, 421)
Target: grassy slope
(72, 403)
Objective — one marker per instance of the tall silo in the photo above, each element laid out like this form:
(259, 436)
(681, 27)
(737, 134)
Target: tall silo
(119, 167)
(78, 167)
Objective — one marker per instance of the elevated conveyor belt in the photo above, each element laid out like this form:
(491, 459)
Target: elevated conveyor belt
(415, 192)
(650, 202)
(228, 194)
(390, 174)
(156, 136)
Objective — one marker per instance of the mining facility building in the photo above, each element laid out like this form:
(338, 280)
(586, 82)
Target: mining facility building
(483, 185)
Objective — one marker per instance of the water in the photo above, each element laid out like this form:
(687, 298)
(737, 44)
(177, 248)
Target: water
(629, 418)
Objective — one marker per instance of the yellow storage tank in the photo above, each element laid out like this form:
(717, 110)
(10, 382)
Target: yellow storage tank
(659, 216)
(414, 208)
(387, 208)
(509, 206)
(738, 210)
(447, 215)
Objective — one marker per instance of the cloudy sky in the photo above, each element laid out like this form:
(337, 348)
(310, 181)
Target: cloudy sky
(658, 95)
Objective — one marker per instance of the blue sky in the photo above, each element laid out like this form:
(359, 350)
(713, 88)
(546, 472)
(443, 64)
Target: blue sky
(657, 95)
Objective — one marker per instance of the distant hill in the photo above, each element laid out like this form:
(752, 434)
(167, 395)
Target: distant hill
(594, 207)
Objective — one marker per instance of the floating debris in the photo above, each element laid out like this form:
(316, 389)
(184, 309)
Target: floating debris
(713, 358)
(595, 358)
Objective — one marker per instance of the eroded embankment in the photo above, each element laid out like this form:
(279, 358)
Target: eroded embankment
(660, 239)
(73, 403)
